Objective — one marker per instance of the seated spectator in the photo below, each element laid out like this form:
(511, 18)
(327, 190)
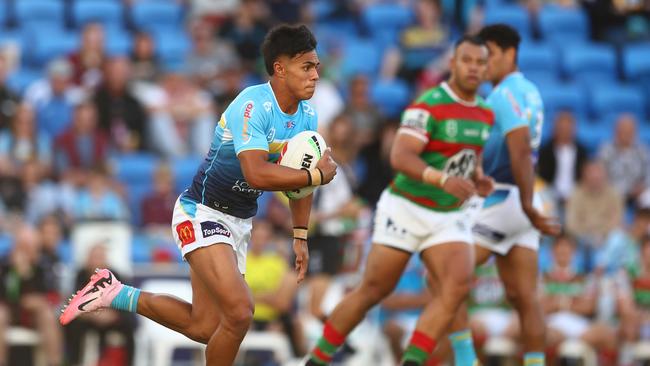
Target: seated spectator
(143, 58)
(53, 99)
(570, 299)
(121, 116)
(595, 207)
(621, 248)
(561, 159)
(273, 285)
(23, 296)
(51, 234)
(158, 207)
(246, 30)
(81, 147)
(362, 111)
(375, 159)
(43, 197)
(8, 100)
(98, 200)
(401, 309)
(183, 118)
(115, 329)
(24, 143)
(88, 60)
(626, 159)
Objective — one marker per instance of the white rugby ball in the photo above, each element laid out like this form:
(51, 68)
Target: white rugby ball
(302, 152)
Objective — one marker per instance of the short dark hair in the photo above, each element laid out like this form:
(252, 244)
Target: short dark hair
(469, 38)
(503, 35)
(289, 40)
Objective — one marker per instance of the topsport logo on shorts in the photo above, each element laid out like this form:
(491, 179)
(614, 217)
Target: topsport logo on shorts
(209, 228)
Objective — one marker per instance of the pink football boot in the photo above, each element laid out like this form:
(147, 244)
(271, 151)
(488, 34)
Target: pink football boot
(97, 294)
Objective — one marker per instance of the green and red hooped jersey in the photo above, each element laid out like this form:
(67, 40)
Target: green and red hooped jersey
(454, 131)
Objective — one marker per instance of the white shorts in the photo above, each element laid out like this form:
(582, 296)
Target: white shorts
(404, 225)
(495, 320)
(502, 223)
(571, 325)
(196, 226)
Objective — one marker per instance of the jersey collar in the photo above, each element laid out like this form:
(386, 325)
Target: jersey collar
(275, 101)
(455, 97)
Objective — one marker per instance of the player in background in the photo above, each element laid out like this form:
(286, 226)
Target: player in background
(509, 223)
(436, 154)
(213, 218)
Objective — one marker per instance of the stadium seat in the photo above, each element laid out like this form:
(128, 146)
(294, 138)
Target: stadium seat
(106, 12)
(150, 15)
(592, 138)
(360, 57)
(559, 24)
(39, 13)
(183, 170)
(132, 169)
(589, 63)
(118, 42)
(385, 21)
(559, 97)
(171, 46)
(136, 192)
(513, 15)
(614, 99)
(46, 46)
(390, 96)
(140, 250)
(19, 80)
(636, 61)
(6, 243)
(537, 57)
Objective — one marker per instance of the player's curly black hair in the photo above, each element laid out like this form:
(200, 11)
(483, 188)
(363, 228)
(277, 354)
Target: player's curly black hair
(503, 35)
(469, 38)
(289, 40)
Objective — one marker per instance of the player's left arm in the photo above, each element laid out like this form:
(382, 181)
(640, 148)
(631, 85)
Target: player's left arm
(300, 211)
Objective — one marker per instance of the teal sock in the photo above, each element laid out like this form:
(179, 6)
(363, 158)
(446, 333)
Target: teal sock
(534, 359)
(126, 299)
(463, 346)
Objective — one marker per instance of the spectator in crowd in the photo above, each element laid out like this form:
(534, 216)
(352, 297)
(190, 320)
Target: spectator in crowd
(51, 234)
(595, 207)
(114, 328)
(327, 102)
(157, 208)
(8, 100)
(143, 58)
(570, 299)
(183, 118)
(561, 159)
(53, 99)
(362, 111)
(375, 159)
(621, 248)
(626, 160)
(400, 310)
(273, 286)
(24, 143)
(246, 30)
(88, 60)
(43, 197)
(98, 200)
(81, 147)
(121, 115)
(211, 57)
(23, 296)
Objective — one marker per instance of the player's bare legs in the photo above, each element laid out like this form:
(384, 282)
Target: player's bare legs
(518, 271)
(384, 268)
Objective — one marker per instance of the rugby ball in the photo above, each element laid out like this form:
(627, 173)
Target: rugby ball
(302, 152)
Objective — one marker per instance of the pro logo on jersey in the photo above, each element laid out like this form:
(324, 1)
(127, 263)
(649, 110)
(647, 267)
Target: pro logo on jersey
(210, 228)
(185, 231)
(248, 113)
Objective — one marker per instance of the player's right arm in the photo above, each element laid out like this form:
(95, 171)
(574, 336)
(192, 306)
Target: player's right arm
(405, 157)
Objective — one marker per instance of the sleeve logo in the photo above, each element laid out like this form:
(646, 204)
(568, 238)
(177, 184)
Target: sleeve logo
(185, 231)
(248, 112)
(416, 118)
(210, 228)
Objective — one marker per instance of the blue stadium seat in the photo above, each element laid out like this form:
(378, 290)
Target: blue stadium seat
(636, 60)
(183, 170)
(538, 57)
(118, 42)
(45, 46)
(39, 13)
(589, 63)
(643, 131)
(591, 137)
(385, 21)
(559, 24)
(150, 15)
(19, 80)
(6, 243)
(609, 100)
(390, 96)
(106, 12)
(136, 193)
(514, 15)
(140, 248)
(171, 46)
(134, 168)
(360, 57)
(563, 97)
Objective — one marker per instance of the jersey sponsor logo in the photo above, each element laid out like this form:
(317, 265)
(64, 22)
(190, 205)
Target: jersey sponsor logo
(248, 112)
(488, 233)
(513, 103)
(210, 228)
(242, 186)
(185, 231)
(416, 118)
(395, 230)
(462, 164)
(485, 134)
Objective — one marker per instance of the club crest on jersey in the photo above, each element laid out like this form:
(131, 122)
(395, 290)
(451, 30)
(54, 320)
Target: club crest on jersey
(271, 135)
(267, 106)
(451, 128)
(210, 228)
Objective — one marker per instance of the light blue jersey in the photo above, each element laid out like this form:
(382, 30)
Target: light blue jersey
(516, 102)
(253, 121)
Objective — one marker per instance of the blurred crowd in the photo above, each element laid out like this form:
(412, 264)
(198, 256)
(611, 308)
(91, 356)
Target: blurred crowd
(60, 137)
